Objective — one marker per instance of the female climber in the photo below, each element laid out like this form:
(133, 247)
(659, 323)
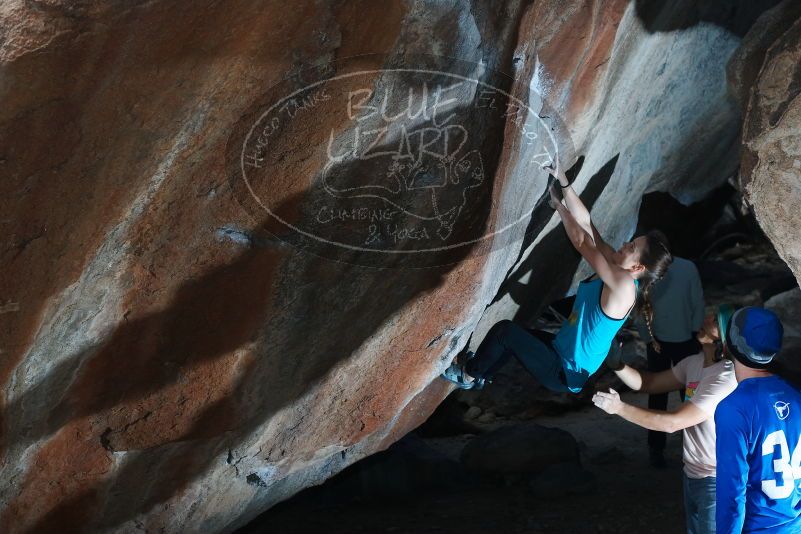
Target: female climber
(564, 362)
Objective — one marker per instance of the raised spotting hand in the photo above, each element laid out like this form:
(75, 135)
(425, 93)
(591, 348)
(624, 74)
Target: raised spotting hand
(608, 402)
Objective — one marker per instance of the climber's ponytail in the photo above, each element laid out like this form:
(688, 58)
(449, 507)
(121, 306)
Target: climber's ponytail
(646, 310)
(656, 258)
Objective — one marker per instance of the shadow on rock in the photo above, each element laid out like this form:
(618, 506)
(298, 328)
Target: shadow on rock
(736, 16)
(548, 280)
(311, 331)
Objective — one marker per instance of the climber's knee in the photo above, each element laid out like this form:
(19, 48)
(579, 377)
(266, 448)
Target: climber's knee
(496, 333)
(503, 324)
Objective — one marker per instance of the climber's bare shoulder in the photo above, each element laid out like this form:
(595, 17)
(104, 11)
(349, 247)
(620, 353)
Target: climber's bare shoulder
(621, 295)
(618, 280)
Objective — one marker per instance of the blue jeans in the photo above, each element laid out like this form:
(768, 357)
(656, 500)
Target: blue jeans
(699, 504)
(534, 351)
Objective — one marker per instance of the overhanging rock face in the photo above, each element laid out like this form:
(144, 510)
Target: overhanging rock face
(770, 175)
(205, 311)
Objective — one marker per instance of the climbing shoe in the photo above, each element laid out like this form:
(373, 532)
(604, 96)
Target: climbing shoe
(455, 374)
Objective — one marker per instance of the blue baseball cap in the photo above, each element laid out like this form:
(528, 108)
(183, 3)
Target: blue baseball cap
(754, 336)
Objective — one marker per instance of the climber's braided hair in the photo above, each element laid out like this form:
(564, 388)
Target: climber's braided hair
(656, 258)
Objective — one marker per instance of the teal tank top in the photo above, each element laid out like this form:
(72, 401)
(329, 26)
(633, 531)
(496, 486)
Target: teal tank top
(585, 338)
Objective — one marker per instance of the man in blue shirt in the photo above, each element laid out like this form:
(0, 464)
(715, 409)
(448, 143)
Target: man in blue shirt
(758, 433)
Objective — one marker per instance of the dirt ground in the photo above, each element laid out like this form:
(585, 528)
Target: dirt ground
(630, 495)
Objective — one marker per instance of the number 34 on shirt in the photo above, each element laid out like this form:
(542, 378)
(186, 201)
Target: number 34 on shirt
(789, 467)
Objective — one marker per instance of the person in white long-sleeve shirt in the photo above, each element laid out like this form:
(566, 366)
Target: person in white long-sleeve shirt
(708, 379)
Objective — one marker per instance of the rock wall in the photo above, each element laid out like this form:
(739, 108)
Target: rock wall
(191, 332)
(169, 362)
(642, 89)
(770, 174)
(787, 306)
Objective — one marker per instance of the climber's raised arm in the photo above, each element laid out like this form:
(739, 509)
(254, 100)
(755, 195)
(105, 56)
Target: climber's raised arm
(613, 277)
(574, 204)
(602, 245)
(581, 213)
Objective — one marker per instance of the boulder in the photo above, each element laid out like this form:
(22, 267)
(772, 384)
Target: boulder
(229, 273)
(746, 63)
(771, 160)
(787, 306)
